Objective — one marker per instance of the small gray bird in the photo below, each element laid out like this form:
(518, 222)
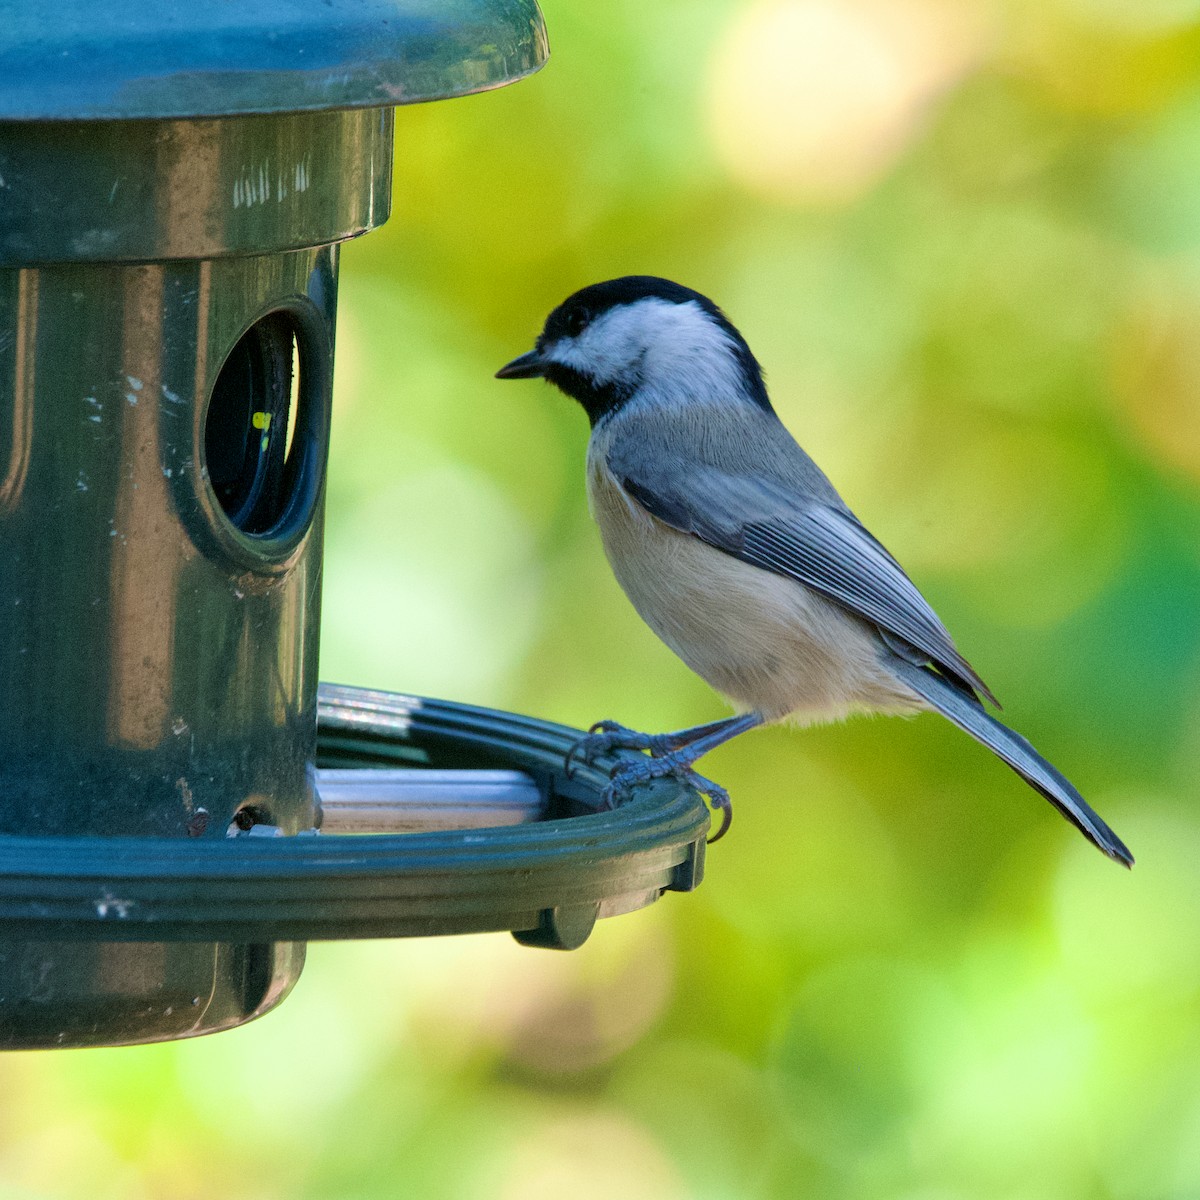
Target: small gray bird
(737, 551)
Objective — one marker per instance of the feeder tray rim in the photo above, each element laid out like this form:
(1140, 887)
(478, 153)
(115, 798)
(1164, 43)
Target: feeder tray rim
(301, 888)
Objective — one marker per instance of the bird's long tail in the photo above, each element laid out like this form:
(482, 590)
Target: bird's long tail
(957, 705)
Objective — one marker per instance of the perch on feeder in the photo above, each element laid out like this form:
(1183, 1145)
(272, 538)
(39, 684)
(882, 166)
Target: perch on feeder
(174, 186)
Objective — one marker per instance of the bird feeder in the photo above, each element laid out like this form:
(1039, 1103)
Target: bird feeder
(181, 808)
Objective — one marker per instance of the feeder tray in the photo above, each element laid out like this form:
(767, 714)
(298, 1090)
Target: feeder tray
(78, 914)
(546, 881)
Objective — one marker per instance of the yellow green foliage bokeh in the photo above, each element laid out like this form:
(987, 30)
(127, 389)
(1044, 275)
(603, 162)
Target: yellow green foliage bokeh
(963, 238)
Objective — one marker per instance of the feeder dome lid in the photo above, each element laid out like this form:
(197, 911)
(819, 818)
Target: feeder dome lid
(110, 59)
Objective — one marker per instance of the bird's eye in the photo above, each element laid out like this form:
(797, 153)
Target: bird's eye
(577, 322)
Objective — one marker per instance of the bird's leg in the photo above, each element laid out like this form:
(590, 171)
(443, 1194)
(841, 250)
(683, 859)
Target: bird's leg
(606, 736)
(678, 762)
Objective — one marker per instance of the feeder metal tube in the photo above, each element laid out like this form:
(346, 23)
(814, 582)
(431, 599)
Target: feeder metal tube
(417, 799)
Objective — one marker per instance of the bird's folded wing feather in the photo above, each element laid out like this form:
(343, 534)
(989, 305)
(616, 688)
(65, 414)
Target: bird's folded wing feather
(762, 518)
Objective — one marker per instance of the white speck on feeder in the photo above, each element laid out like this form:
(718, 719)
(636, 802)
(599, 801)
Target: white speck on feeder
(109, 903)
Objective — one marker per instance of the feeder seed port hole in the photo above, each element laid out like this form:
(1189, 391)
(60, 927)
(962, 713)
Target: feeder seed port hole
(546, 880)
(250, 424)
(265, 424)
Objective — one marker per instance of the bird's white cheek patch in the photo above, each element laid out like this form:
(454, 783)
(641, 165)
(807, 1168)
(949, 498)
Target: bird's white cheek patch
(675, 349)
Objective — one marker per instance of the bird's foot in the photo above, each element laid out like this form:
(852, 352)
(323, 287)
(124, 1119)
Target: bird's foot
(606, 736)
(633, 771)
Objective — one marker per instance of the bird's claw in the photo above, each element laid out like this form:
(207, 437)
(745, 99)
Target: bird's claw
(605, 736)
(608, 727)
(631, 772)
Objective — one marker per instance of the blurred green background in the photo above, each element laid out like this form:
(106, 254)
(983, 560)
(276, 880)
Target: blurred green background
(964, 239)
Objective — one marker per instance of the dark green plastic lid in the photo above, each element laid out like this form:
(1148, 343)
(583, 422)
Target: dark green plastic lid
(87, 59)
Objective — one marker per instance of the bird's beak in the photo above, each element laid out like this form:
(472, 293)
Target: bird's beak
(528, 366)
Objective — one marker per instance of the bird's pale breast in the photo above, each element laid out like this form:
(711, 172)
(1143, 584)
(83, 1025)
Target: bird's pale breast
(765, 641)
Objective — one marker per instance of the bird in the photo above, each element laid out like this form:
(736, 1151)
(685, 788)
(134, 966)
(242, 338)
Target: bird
(739, 553)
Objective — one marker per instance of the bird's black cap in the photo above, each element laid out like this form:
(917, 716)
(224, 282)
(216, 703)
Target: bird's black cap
(578, 310)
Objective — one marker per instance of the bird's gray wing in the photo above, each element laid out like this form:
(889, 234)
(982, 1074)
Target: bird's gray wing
(757, 519)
